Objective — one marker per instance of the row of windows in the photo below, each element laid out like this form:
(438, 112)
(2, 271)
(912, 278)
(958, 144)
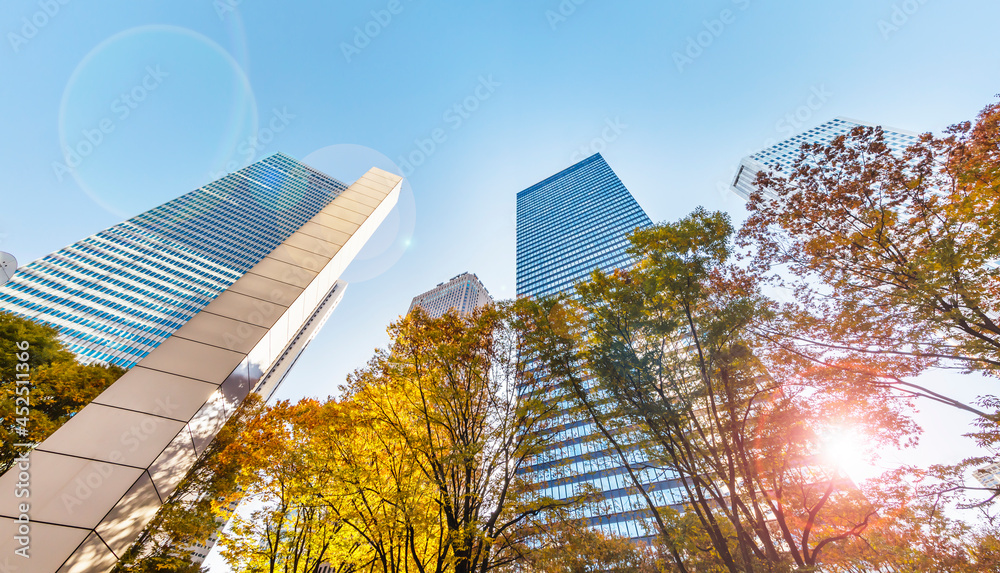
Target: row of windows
(607, 194)
(538, 231)
(567, 279)
(568, 225)
(788, 150)
(117, 294)
(588, 243)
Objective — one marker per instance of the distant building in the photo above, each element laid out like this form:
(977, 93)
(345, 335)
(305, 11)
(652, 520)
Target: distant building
(464, 293)
(989, 475)
(197, 552)
(785, 152)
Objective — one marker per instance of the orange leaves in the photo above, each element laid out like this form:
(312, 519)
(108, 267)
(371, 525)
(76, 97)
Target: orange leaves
(895, 252)
(414, 468)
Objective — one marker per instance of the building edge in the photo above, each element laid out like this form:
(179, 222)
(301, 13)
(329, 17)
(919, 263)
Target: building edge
(97, 481)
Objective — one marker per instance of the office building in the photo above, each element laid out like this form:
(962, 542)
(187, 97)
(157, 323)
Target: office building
(205, 298)
(568, 225)
(119, 293)
(989, 475)
(785, 153)
(464, 293)
(573, 222)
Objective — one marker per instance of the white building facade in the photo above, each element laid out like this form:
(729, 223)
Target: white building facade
(464, 293)
(784, 153)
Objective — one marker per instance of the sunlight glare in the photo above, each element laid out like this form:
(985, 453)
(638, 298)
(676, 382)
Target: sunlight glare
(847, 449)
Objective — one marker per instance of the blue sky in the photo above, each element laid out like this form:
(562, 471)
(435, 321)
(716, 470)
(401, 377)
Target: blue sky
(170, 94)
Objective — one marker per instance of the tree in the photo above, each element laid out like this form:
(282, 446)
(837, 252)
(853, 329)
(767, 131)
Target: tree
(900, 247)
(673, 348)
(890, 259)
(417, 467)
(382, 497)
(332, 489)
(455, 391)
(200, 505)
(290, 480)
(59, 385)
(915, 533)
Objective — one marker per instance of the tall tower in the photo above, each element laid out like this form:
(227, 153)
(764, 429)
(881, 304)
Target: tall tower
(568, 225)
(572, 223)
(119, 293)
(205, 298)
(785, 152)
(464, 293)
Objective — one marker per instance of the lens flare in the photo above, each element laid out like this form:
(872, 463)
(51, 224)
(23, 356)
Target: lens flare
(130, 111)
(848, 450)
(395, 235)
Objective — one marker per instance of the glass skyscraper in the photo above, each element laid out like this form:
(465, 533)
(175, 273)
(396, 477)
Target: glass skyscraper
(568, 225)
(572, 223)
(204, 299)
(119, 293)
(785, 153)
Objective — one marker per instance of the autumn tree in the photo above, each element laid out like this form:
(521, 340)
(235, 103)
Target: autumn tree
(890, 258)
(293, 522)
(200, 505)
(895, 252)
(915, 532)
(672, 346)
(416, 467)
(456, 391)
(382, 497)
(332, 488)
(59, 385)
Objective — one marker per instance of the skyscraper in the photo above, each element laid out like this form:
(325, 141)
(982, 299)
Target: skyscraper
(988, 475)
(464, 293)
(785, 152)
(568, 225)
(571, 223)
(207, 298)
(119, 293)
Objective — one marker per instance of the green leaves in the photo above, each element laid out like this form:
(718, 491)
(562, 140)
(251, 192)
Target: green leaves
(678, 352)
(59, 385)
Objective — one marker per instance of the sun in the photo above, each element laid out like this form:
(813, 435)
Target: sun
(848, 450)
